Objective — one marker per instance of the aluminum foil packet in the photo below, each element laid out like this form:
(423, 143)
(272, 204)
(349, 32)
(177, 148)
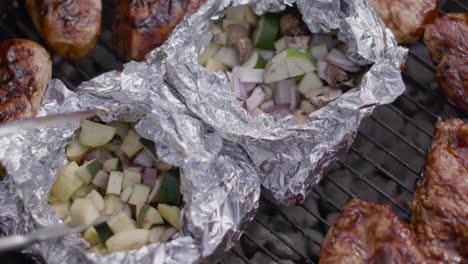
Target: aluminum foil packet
(218, 183)
(290, 158)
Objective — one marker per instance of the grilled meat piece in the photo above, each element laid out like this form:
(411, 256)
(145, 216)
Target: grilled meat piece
(71, 28)
(139, 26)
(291, 23)
(25, 68)
(368, 232)
(447, 40)
(440, 204)
(406, 18)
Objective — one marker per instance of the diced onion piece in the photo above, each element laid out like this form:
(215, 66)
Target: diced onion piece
(282, 91)
(280, 111)
(267, 106)
(322, 68)
(255, 99)
(280, 44)
(340, 60)
(149, 176)
(143, 159)
(93, 155)
(256, 112)
(307, 107)
(168, 234)
(247, 75)
(310, 82)
(266, 54)
(319, 51)
(287, 64)
(100, 179)
(228, 56)
(298, 42)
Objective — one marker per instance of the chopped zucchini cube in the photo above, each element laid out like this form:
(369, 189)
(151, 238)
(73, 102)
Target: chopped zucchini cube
(96, 198)
(169, 191)
(111, 165)
(121, 223)
(114, 185)
(140, 194)
(148, 216)
(91, 236)
(67, 182)
(104, 231)
(83, 212)
(125, 195)
(131, 144)
(128, 240)
(87, 171)
(122, 128)
(130, 178)
(82, 192)
(75, 151)
(156, 232)
(171, 214)
(112, 204)
(94, 134)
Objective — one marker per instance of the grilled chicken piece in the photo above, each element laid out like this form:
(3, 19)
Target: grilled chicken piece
(440, 204)
(370, 233)
(71, 28)
(447, 40)
(25, 68)
(139, 26)
(406, 18)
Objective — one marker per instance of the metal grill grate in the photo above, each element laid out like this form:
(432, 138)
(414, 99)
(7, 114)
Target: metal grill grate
(382, 165)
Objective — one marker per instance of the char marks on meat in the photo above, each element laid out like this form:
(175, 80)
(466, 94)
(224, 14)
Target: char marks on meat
(367, 232)
(440, 205)
(406, 18)
(25, 68)
(447, 40)
(139, 26)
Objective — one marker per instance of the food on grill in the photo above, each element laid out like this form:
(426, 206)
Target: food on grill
(406, 18)
(26, 68)
(368, 232)
(71, 28)
(112, 170)
(140, 26)
(276, 66)
(440, 205)
(447, 40)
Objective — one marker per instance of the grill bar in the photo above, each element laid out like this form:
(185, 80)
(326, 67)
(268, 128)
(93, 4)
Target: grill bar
(409, 119)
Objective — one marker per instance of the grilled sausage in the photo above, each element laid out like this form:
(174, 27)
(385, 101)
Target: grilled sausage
(70, 27)
(447, 40)
(406, 18)
(440, 204)
(25, 68)
(139, 26)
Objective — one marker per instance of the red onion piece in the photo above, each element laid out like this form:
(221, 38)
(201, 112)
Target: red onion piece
(340, 60)
(95, 154)
(255, 99)
(162, 166)
(322, 67)
(282, 91)
(267, 107)
(100, 179)
(149, 176)
(280, 111)
(168, 233)
(125, 160)
(143, 159)
(105, 155)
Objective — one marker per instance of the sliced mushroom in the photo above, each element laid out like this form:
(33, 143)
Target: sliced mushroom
(291, 24)
(238, 37)
(338, 78)
(321, 97)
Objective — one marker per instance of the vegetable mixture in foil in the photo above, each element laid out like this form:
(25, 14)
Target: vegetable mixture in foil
(290, 155)
(218, 184)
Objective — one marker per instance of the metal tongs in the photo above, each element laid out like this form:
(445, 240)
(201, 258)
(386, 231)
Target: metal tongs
(35, 122)
(48, 233)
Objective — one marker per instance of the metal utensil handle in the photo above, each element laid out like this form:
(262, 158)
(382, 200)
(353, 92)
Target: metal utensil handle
(14, 242)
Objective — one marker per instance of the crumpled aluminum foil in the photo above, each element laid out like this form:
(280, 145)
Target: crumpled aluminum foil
(290, 158)
(219, 185)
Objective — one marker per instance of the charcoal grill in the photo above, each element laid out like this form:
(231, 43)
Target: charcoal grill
(382, 165)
